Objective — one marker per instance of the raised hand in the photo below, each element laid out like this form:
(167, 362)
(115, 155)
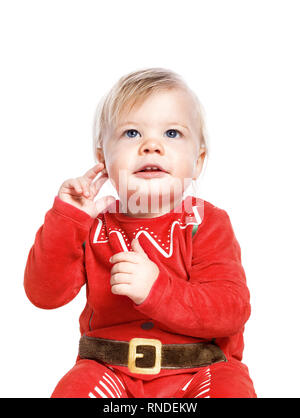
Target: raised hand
(81, 191)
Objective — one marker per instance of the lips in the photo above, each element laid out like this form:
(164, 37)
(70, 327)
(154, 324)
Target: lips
(155, 168)
(150, 174)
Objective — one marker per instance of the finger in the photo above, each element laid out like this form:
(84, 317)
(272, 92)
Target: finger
(94, 189)
(136, 246)
(120, 278)
(121, 289)
(122, 267)
(126, 256)
(74, 186)
(92, 173)
(84, 186)
(99, 182)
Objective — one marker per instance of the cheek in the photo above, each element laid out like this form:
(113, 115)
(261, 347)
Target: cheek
(184, 158)
(185, 167)
(114, 161)
(118, 165)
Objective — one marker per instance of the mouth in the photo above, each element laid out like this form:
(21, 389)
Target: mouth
(150, 174)
(149, 171)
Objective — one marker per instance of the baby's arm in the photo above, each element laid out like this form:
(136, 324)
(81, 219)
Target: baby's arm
(215, 301)
(55, 271)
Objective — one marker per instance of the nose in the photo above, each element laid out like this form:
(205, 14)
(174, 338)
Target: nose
(151, 145)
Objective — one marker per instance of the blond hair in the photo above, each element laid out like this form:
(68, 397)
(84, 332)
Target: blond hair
(132, 88)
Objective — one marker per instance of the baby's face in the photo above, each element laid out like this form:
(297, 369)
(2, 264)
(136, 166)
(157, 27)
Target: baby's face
(163, 130)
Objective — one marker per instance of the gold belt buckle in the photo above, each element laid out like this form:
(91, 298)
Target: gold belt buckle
(132, 355)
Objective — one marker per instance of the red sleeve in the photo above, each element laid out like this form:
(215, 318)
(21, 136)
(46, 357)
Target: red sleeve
(54, 271)
(214, 302)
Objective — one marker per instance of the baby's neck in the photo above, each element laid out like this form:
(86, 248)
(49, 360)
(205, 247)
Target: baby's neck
(144, 214)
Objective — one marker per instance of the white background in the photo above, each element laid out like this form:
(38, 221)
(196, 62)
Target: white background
(242, 59)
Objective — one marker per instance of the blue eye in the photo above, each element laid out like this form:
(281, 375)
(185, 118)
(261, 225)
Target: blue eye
(131, 133)
(130, 130)
(173, 131)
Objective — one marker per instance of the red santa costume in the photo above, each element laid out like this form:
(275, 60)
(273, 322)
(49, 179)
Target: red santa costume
(200, 298)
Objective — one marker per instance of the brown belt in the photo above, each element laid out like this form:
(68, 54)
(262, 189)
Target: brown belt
(148, 356)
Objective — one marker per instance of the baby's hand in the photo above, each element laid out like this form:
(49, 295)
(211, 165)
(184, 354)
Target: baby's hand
(133, 273)
(81, 191)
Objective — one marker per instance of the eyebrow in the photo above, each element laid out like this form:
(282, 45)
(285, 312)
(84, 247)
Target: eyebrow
(167, 123)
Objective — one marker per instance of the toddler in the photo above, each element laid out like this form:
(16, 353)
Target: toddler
(167, 298)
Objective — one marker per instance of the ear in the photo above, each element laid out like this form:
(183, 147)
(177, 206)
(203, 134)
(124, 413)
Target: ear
(100, 155)
(199, 163)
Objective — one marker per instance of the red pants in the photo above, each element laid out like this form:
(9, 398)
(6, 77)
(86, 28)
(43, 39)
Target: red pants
(90, 379)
